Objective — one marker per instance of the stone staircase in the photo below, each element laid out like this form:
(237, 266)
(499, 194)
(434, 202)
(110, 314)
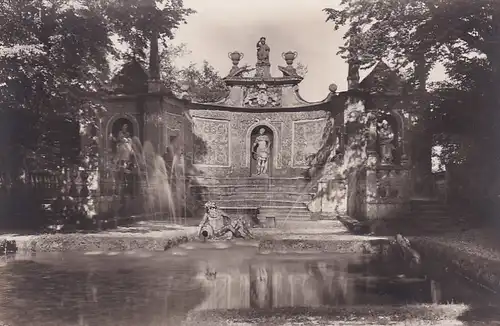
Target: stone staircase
(429, 212)
(428, 216)
(270, 197)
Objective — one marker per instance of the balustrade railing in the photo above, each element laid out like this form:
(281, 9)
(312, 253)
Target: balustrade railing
(79, 194)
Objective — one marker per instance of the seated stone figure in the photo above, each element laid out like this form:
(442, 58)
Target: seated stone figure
(216, 225)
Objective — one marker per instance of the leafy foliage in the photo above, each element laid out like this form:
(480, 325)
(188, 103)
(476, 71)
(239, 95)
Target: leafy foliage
(54, 52)
(301, 69)
(405, 31)
(205, 83)
(462, 113)
(135, 21)
(170, 72)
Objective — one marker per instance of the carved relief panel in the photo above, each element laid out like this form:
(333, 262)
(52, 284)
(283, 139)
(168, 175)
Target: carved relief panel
(262, 96)
(306, 140)
(211, 142)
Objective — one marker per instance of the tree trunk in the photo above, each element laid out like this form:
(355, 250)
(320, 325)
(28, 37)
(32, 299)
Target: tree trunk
(422, 140)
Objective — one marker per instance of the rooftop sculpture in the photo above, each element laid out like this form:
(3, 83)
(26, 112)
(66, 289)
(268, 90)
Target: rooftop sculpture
(263, 65)
(262, 90)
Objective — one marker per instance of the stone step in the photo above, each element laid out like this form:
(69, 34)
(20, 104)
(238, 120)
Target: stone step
(427, 217)
(431, 214)
(286, 215)
(296, 209)
(304, 227)
(429, 207)
(258, 202)
(255, 196)
(250, 181)
(426, 203)
(251, 188)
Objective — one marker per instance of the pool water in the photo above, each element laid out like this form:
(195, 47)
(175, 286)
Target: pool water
(161, 288)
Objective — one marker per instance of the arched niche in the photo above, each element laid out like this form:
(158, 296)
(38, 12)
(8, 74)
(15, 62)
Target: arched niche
(115, 124)
(251, 134)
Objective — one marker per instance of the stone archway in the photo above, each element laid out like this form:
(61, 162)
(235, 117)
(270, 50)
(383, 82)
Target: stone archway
(265, 135)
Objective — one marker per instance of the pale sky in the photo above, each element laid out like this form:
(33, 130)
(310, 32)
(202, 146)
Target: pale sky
(222, 26)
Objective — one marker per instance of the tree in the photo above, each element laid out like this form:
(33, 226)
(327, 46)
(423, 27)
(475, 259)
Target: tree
(205, 83)
(301, 69)
(170, 72)
(419, 31)
(416, 34)
(136, 21)
(53, 52)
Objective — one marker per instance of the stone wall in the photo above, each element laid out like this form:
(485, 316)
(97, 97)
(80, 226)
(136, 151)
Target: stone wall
(163, 126)
(356, 184)
(222, 143)
(388, 191)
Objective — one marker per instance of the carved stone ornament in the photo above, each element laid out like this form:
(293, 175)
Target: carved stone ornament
(236, 71)
(262, 97)
(289, 70)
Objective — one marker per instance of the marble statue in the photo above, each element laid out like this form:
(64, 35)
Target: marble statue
(216, 225)
(263, 52)
(261, 150)
(123, 145)
(386, 137)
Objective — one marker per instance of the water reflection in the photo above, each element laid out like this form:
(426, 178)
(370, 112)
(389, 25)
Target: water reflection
(269, 284)
(103, 292)
(130, 289)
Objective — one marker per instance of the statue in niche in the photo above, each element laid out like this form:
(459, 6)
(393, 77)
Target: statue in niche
(263, 53)
(123, 141)
(371, 122)
(386, 137)
(261, 150)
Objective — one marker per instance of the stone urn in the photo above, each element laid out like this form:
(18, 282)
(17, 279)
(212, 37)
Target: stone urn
(289, 57)
(235, 57)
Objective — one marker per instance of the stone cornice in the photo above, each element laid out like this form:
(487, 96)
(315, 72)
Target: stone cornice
(252, 81)
(220, 107)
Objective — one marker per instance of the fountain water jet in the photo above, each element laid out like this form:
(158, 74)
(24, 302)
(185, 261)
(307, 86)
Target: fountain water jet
(162, 191)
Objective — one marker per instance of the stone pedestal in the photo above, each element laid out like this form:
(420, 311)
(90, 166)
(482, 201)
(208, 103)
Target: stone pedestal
(262, 71)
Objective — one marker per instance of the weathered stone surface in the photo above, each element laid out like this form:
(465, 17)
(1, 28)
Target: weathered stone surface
(235, 140)
(363, 166)
(306, 140)
(213, 146)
